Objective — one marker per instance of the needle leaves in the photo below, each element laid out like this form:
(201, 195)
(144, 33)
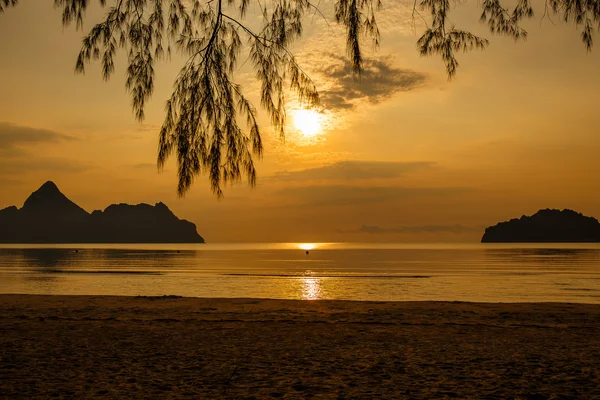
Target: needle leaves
(210, 126)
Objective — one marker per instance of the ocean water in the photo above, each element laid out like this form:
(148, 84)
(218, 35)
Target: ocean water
(349, 271)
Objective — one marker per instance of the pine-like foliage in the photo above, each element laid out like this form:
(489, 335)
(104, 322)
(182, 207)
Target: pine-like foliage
(7, 3)
(204, 113)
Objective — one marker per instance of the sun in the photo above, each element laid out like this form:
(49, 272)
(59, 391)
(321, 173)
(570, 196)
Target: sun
(308, 122)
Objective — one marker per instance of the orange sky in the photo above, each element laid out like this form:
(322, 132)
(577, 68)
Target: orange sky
(404, 155)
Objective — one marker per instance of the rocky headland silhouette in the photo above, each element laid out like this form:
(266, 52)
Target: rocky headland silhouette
(48, 216)
(549, 226)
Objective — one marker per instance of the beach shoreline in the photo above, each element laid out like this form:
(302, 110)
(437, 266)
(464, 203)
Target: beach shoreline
(180, 347)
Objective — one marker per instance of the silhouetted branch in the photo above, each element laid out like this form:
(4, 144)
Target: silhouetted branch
(203, 115)
(499, 20)
(7, 3)
(358, 16)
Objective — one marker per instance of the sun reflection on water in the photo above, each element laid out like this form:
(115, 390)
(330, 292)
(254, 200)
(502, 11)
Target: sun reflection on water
(311, 289)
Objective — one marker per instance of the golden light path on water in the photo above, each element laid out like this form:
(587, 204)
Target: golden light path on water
(311, 286)
(311, 289)
(548, 272)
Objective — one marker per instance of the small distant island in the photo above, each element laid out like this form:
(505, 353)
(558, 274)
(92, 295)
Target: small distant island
(48, 216)
(545, 226)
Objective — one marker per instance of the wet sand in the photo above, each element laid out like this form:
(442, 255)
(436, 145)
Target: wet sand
(167, 347)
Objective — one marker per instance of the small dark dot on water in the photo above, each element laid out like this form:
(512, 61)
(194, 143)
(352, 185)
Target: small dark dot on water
(306, 251)
(76, 251)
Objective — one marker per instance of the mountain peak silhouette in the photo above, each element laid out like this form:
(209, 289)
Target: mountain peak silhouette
(48, 198)
(48, 216)
(545, 226)
(49, 186)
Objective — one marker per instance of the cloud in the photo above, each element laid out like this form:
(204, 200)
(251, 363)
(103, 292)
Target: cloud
(13, 136)
(416, 229)
(145, 166)
(21, 165)
(16, 156)
(10, 182)
(351, 195)
(379, 81)
(353, 170)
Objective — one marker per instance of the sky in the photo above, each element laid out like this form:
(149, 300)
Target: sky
(402, 154)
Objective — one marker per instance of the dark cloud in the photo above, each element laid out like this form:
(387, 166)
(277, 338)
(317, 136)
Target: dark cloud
(416, 229)
(6, 153)
(378, 81)
(10, 182)
(34, 163)
(13, 136)
(337, 195)
(145, 166)
(16, 157)
(353, 170)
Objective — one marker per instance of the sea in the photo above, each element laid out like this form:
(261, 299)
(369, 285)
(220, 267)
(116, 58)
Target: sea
(310, 271)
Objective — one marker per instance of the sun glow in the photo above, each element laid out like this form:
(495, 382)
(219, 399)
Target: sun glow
(307, 246)
(308, 122)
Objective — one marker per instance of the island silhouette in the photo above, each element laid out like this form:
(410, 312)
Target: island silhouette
(48, 216)
(545, 226)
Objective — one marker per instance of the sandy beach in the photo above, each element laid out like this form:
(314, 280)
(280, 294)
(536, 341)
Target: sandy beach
(170, 347)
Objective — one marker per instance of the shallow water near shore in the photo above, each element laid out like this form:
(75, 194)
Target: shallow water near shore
(349, 271)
